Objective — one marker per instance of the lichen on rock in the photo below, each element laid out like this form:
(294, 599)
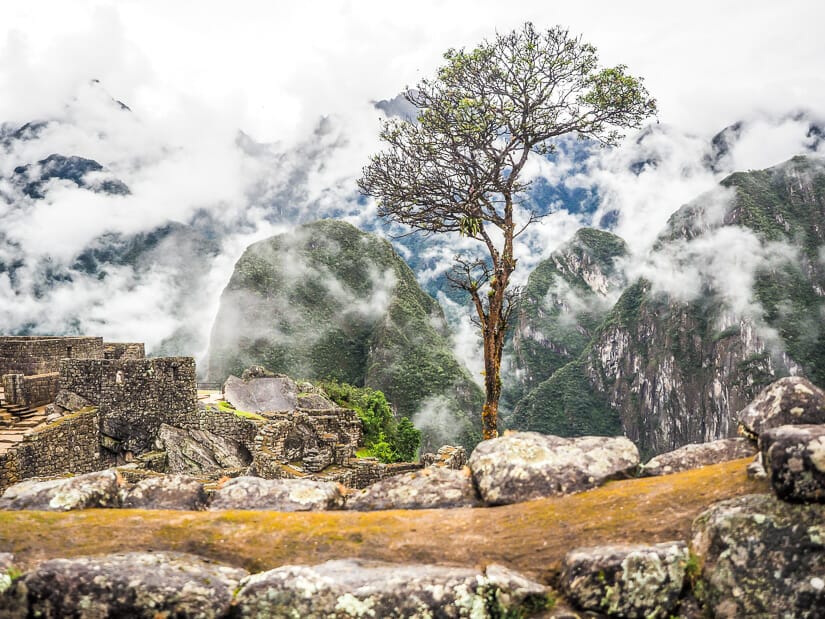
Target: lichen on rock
(527, 465)
(762, 557)
(632, 581)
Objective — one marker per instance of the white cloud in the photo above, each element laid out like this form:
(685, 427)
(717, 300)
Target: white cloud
(194, 75)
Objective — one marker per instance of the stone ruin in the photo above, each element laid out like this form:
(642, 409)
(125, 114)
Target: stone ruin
(30, 365)
(114, 407)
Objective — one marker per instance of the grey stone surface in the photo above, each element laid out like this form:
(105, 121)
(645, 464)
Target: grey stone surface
(70, 444)
(149, 585)
(793, 400)
(260, 395)
(353, 588)
(134, 397)
(756, 469)
(70, 401)
(82, 492)
(431, 487)
(527, 465)
(283, 495)
(13, 603)
(697, 455)
(633, 581)
(6, 563)
(794, 456)
(762, 557)
(448, 456)
(199, 451)
(165, 492)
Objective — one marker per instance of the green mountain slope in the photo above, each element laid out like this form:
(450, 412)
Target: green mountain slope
(328, 301)
(565, 300)
(676, 365)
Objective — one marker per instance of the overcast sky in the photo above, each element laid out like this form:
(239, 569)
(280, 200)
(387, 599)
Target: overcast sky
(273, 67)
(195, 72)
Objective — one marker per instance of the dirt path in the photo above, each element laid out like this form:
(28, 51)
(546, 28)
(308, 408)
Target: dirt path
(530, 537)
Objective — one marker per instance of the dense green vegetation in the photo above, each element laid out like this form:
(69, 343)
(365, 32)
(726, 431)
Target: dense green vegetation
(329, 302)
(385, 437)
(549, 334)
(784, 205)
(567, 405)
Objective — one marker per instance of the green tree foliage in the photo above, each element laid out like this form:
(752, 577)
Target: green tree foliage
(459, 168)
(385, 438)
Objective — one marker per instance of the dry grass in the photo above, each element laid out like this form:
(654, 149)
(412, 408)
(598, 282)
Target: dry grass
(530, 537)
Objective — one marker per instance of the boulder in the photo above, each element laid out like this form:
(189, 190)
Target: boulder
(261, 395)
(58, 495)
(165, 492)
(429, 488)
(70, 401)
(354, 588)
(697, 455)
(197, 452)
(146, 585)
(762, 557)
(12, 598)
(527, 465)
(448, 456)
(282, 495)
(795, 458)
(633, 581)
(6, 563)
(756, 469)
(793, 400)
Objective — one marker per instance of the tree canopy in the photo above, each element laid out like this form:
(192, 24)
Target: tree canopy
(459, 167)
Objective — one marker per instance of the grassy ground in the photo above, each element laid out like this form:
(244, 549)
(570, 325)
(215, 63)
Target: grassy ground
(531, 537)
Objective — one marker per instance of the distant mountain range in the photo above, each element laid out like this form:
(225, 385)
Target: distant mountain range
(738, 300)
(600, 346)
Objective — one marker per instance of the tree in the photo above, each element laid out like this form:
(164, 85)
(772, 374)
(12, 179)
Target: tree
(460, 166)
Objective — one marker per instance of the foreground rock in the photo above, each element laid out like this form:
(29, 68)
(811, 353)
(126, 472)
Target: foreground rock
(789, 401)
(260, 394)
(12, 599)
(200, 452)
(633, 581)
(794, 456)
(353, 588)
(696, 455)
(432, 487)
(82, 492)
(283, 495)
(147, 585)
(528, 465)
(166, 492)
(762, 557)
(6, 563)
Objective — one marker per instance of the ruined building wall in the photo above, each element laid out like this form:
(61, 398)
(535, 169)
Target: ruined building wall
(229, 425)
(31, 355)
(30, 390)
(69, 445)
(124, 350)
(135, 396)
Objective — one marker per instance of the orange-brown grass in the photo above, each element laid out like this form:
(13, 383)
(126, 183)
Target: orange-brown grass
(531, 537)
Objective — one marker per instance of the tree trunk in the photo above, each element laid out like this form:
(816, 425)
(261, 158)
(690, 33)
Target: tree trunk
(492, 389)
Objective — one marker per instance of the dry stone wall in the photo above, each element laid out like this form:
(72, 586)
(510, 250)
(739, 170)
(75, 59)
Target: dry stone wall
(134, 396)
(69, 445)
(31, 355)
(124, 350)
(31, 390)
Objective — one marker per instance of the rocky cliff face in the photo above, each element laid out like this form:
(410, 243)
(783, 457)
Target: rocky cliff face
(742, 304)
(328, 301)
(565, 300)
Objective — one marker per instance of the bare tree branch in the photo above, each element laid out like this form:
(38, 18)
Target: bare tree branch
(459, 168)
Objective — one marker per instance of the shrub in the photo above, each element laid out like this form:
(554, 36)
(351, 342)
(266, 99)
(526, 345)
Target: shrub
(385, 438)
